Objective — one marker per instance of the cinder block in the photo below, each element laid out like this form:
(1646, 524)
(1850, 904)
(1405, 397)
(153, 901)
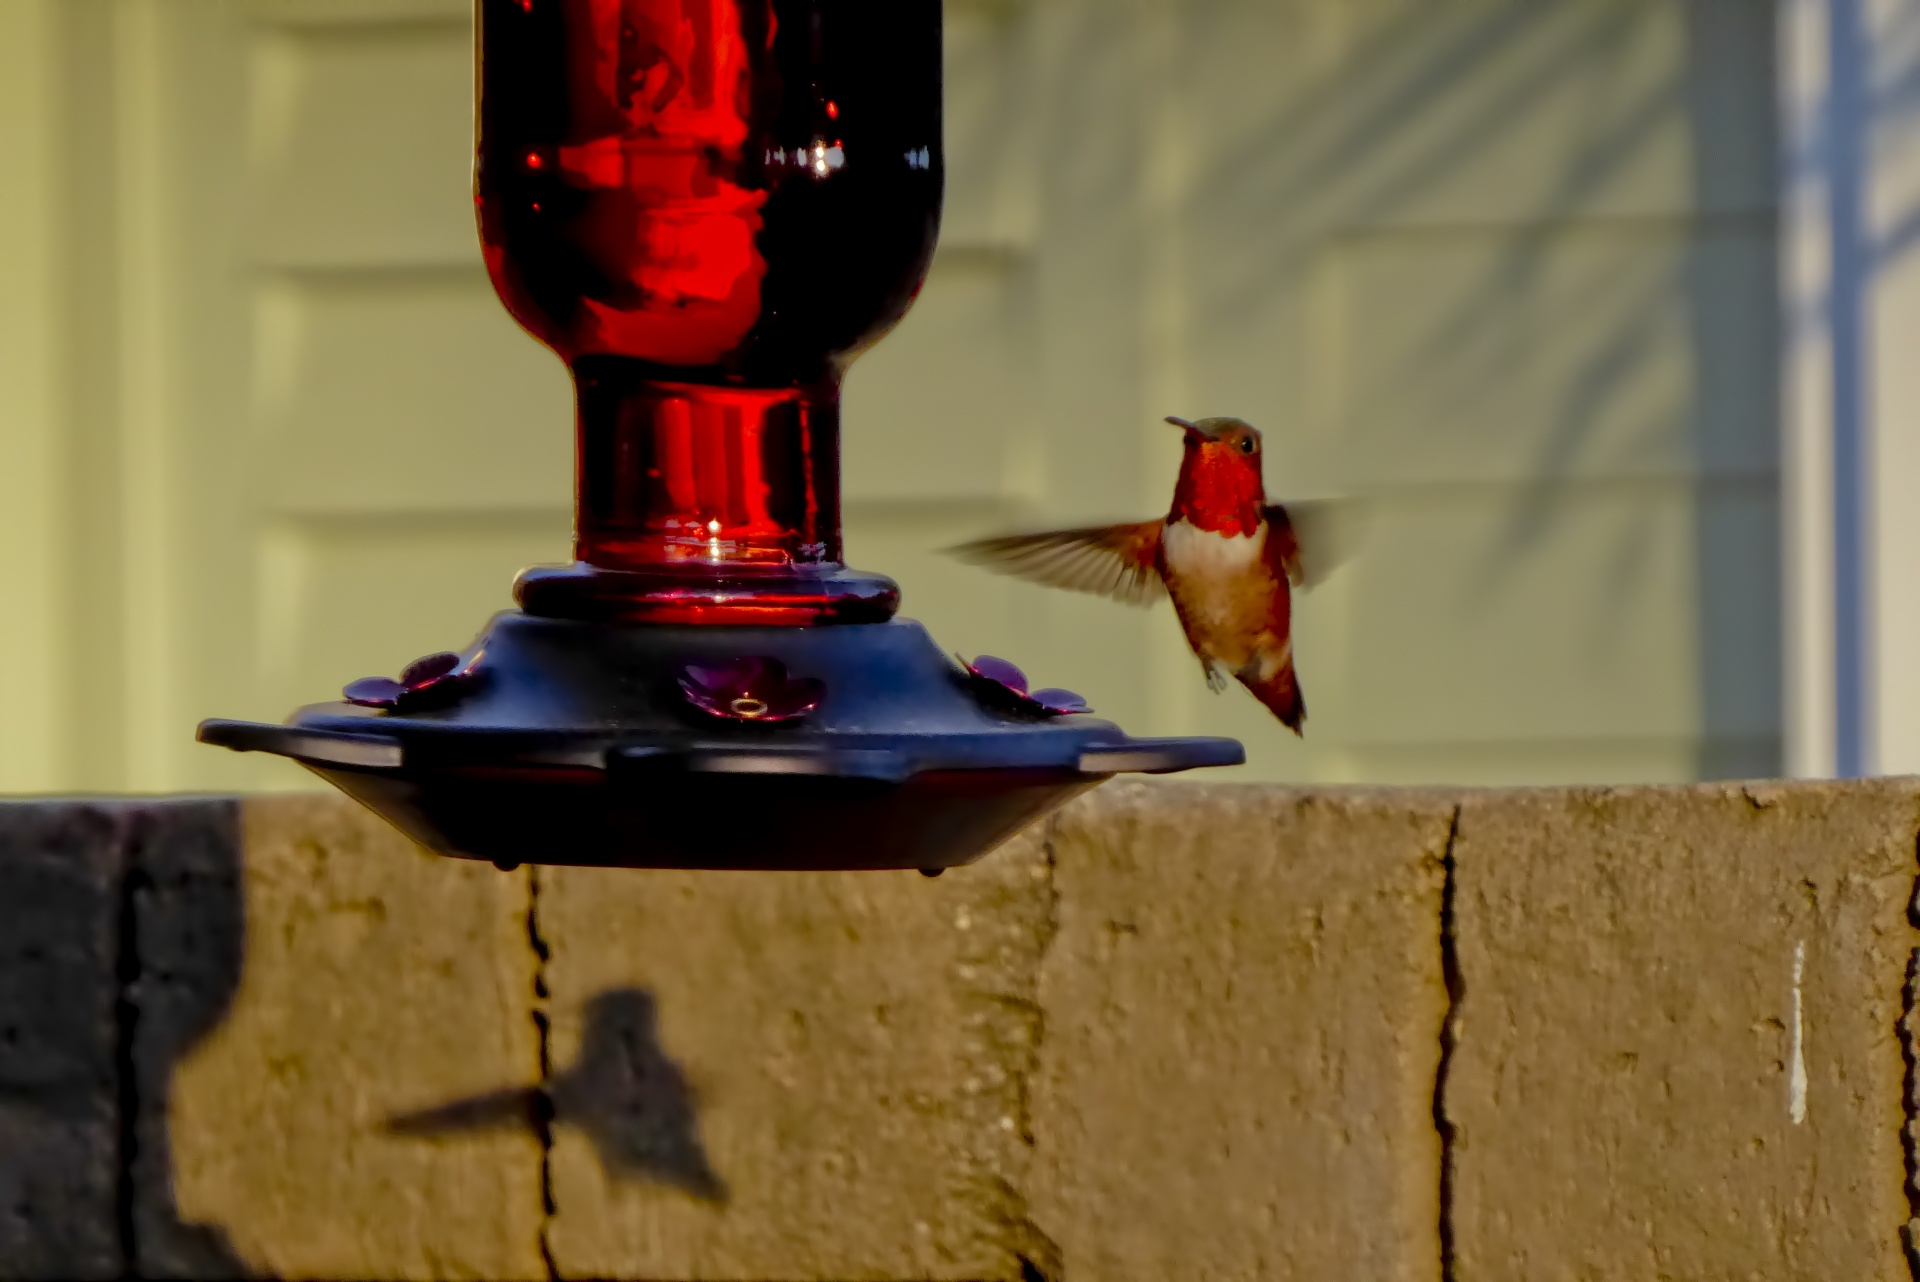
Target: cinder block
(1678, 1052)
(381, 985)
(792, 1076)
(60, 923)
(1243, 1005)
(178, 980)
(1181, 1031)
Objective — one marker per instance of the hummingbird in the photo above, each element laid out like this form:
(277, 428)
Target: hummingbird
(1228, 558)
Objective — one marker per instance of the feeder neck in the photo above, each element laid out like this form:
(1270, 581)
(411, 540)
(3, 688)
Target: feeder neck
(701, 503)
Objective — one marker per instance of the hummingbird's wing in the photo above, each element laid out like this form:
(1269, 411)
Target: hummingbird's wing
(1120, 561)
(1313, 539)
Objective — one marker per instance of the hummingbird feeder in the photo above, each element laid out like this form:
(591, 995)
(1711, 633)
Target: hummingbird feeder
(707, 208)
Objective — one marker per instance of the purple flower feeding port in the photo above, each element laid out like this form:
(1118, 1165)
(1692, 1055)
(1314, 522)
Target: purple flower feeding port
(1001, 683)
(755, 688)
(437, 678)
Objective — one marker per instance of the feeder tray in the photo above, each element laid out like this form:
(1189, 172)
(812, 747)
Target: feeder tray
(576, 743)
(707, 208)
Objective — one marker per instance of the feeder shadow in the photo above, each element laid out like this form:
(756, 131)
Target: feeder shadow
(121, 936)
(634, 1104)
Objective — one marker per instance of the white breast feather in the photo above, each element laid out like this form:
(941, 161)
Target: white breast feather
(1208, 582)
(1205, 554)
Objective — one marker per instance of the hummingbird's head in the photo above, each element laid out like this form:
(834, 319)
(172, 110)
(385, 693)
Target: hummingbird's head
(1220, 485)
(1224, 435)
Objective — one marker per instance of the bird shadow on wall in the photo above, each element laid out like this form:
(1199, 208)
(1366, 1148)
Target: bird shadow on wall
(121, 936)
(633, 1103)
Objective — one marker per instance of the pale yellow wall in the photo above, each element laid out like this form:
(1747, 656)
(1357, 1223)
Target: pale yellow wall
(1504, 267)
(28, 411)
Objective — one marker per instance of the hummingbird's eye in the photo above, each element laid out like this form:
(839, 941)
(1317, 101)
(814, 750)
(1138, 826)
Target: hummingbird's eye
(1248, 445)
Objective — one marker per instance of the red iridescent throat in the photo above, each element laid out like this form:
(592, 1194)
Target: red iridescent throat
(1219, 490)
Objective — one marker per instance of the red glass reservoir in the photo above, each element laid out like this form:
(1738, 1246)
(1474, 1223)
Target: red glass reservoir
(708, 208)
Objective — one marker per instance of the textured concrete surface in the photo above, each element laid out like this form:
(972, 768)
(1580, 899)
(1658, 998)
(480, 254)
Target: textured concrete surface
(1243, 1010)
(379, 983)
(119, 947)
(791, 1076)
(180, 965)
(1677, 1052)
(60, 907)
(1181, 1031)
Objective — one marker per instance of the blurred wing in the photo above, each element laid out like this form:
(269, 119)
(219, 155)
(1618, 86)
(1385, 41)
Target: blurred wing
(1120, 561)
(1313, 539)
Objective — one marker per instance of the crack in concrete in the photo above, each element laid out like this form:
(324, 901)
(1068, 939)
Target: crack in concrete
(1909, 1039)
(540, 1099)
(128, 970)
(1008, 914)
(1910, 1124)
(1455, 981)
(1038, 1254)
(1034, 1010)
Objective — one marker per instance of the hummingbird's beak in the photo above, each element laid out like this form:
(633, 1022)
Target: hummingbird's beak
(1193, 430)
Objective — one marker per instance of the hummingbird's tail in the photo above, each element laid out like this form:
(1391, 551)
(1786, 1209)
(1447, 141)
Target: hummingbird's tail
(1280, 691)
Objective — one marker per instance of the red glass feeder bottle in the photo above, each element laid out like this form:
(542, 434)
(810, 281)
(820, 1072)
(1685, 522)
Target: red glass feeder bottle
(708, 208)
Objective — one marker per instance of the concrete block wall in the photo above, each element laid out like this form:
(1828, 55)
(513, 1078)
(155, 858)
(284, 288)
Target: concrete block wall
(1179, 1031)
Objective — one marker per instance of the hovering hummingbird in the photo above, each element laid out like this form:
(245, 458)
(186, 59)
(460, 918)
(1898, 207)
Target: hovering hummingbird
(1227, 557)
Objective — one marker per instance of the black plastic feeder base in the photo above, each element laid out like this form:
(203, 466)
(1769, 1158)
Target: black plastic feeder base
(574, 743)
